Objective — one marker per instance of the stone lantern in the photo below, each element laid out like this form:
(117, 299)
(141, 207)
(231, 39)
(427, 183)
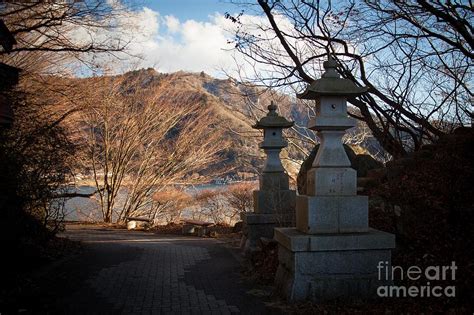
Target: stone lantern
(332, 253)
(272, 126)
(274, 202)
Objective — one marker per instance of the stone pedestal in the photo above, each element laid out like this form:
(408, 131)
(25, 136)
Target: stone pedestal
(322, 267)
(275, 197)
(256, 225)
(279, 203)
(273, 207)
(332, 214)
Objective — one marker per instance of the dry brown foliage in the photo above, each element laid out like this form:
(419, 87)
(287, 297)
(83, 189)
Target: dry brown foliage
(240, 197)
(139, 140)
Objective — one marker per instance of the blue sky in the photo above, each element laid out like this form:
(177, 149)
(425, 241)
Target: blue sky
(178, 35)
(198, 10)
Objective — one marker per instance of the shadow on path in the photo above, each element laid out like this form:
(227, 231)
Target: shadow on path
(125, 272)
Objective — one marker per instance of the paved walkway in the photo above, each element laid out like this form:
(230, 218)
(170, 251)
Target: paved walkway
(124, 272)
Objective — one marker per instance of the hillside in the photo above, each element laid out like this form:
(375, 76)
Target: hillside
(235, 107)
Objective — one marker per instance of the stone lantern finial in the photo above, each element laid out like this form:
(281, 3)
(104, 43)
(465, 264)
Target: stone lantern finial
(330, 67)
(272, 109)
(272, 119)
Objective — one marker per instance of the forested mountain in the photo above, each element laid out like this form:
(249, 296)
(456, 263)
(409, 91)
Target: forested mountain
(233, 108)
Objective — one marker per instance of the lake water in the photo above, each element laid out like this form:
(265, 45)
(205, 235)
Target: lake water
(88, 209)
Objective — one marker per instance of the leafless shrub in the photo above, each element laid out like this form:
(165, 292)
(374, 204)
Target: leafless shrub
(212, 205)
(169, 205)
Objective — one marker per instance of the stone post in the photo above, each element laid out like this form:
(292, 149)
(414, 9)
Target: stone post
(332, 253)
(274, 202)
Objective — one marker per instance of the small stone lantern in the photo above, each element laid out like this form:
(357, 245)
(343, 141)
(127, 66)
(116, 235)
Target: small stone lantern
(332, 253)
(273, 125)
(274, 202)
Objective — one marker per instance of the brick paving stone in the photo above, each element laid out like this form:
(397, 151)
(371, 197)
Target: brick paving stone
(126, 272)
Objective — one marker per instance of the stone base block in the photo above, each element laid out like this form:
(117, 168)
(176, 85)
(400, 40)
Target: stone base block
(274, 181)
(257, 218)
(331, 266)
(332, 214)
(280, 203)
(256, 226)
(324, 181)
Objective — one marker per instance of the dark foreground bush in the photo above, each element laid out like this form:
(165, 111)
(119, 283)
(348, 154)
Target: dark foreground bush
(34, 165)
(427, 201)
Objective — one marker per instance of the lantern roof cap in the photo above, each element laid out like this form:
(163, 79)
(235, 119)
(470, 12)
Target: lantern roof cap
(330, 84)
(272, 119)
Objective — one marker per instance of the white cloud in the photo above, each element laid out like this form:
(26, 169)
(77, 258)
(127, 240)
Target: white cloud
(192, 46)
(169, 45)
(172, 24)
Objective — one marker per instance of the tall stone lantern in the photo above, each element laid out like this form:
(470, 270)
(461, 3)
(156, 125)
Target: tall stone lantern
(274, 202)
(332, 253)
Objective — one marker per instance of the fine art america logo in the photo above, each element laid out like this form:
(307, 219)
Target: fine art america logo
(432, 274)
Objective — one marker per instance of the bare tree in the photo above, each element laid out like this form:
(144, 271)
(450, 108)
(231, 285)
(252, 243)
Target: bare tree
(415, 56)
(139, 140)
(52, 33)
(42, 146)
(51, 36)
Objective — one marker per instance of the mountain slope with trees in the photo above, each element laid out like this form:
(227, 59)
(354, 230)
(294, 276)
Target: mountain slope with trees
(233, 107)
